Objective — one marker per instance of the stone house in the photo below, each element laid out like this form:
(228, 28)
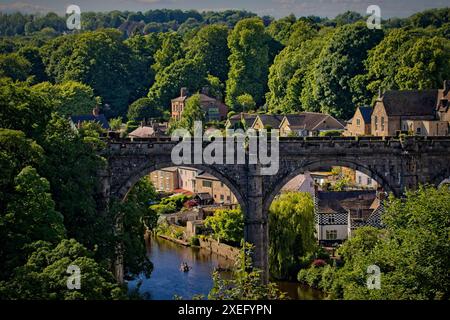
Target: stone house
(187, 178)
(165, 179)
(418, 112)
(307, 124)
(359, 125)
(267, 121)
(214, 109)
(220, 193)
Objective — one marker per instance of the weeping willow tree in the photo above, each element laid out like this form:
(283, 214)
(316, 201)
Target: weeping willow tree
(291, 233)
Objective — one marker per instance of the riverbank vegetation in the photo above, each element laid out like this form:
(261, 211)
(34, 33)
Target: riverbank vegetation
(245, 282)
(227, 225)
(412, 252)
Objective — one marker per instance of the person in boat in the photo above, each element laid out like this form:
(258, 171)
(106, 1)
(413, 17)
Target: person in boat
(184, 267)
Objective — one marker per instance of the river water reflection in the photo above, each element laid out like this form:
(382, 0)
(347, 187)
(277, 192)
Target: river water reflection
(167, 280)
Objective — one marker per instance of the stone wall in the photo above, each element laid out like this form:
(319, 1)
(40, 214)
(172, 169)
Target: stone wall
(221, 249)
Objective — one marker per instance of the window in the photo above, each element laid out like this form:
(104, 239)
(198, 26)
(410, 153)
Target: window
(359, 180)
(376, 122)
(221, 184)
(418, 130)
(358, 122)
(382, 123)
(228, 198)
(331, 220)
(207, 184)
(222, 197)
(369, 181)
(331, 234)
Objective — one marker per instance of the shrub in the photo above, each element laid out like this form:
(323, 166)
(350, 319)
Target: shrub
(194, 241)
(319, 263)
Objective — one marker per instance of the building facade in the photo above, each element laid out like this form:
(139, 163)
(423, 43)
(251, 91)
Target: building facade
(339, 213)
(308, 124)
(206, 183)
(360, 124)
(214, 109)
(416, 112)
(165, 179)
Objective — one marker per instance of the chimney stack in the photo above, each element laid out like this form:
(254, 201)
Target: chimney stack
(183, 92)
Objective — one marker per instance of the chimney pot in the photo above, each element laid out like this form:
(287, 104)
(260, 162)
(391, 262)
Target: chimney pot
(183, 92)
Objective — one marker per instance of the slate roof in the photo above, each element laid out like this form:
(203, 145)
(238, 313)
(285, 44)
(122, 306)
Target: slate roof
(272, 120)
(142, 132)
(410, 102)
(307, 120)
(205, 175)
(366, 113)
(89, 117)
(204, 196)
(341, 201)
(203, 98)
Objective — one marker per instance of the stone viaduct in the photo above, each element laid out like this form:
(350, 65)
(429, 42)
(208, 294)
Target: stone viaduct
(396, 164)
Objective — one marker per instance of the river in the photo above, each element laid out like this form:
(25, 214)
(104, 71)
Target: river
(167, 280)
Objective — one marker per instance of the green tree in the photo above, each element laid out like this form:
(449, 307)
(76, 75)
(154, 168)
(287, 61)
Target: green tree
(412, 251)
(227, 225)
(71, 164)
(288, 73)
(29, 216)
(210, 47)
(33, 56)
(141, 74)
(407, 60)
(45, 276)
(171, 50)
(291, 233)
(22, 108)
(69, 98)
(249, 59)
(135, 216)
(193, 111)
(182, 73)
(144, 108)
(339, 62)
(14, 66)
(245, 103)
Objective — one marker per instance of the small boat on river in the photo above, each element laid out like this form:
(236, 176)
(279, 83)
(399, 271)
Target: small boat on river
(184, 267)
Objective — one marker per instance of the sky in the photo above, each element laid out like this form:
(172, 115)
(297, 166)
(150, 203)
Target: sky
(275, 8)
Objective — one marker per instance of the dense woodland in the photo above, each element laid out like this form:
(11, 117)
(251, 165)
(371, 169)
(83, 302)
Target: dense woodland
(131, 65)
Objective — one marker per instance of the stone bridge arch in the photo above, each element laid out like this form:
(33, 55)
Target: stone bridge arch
(396, 164)
(299, 167)
(149, 167)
